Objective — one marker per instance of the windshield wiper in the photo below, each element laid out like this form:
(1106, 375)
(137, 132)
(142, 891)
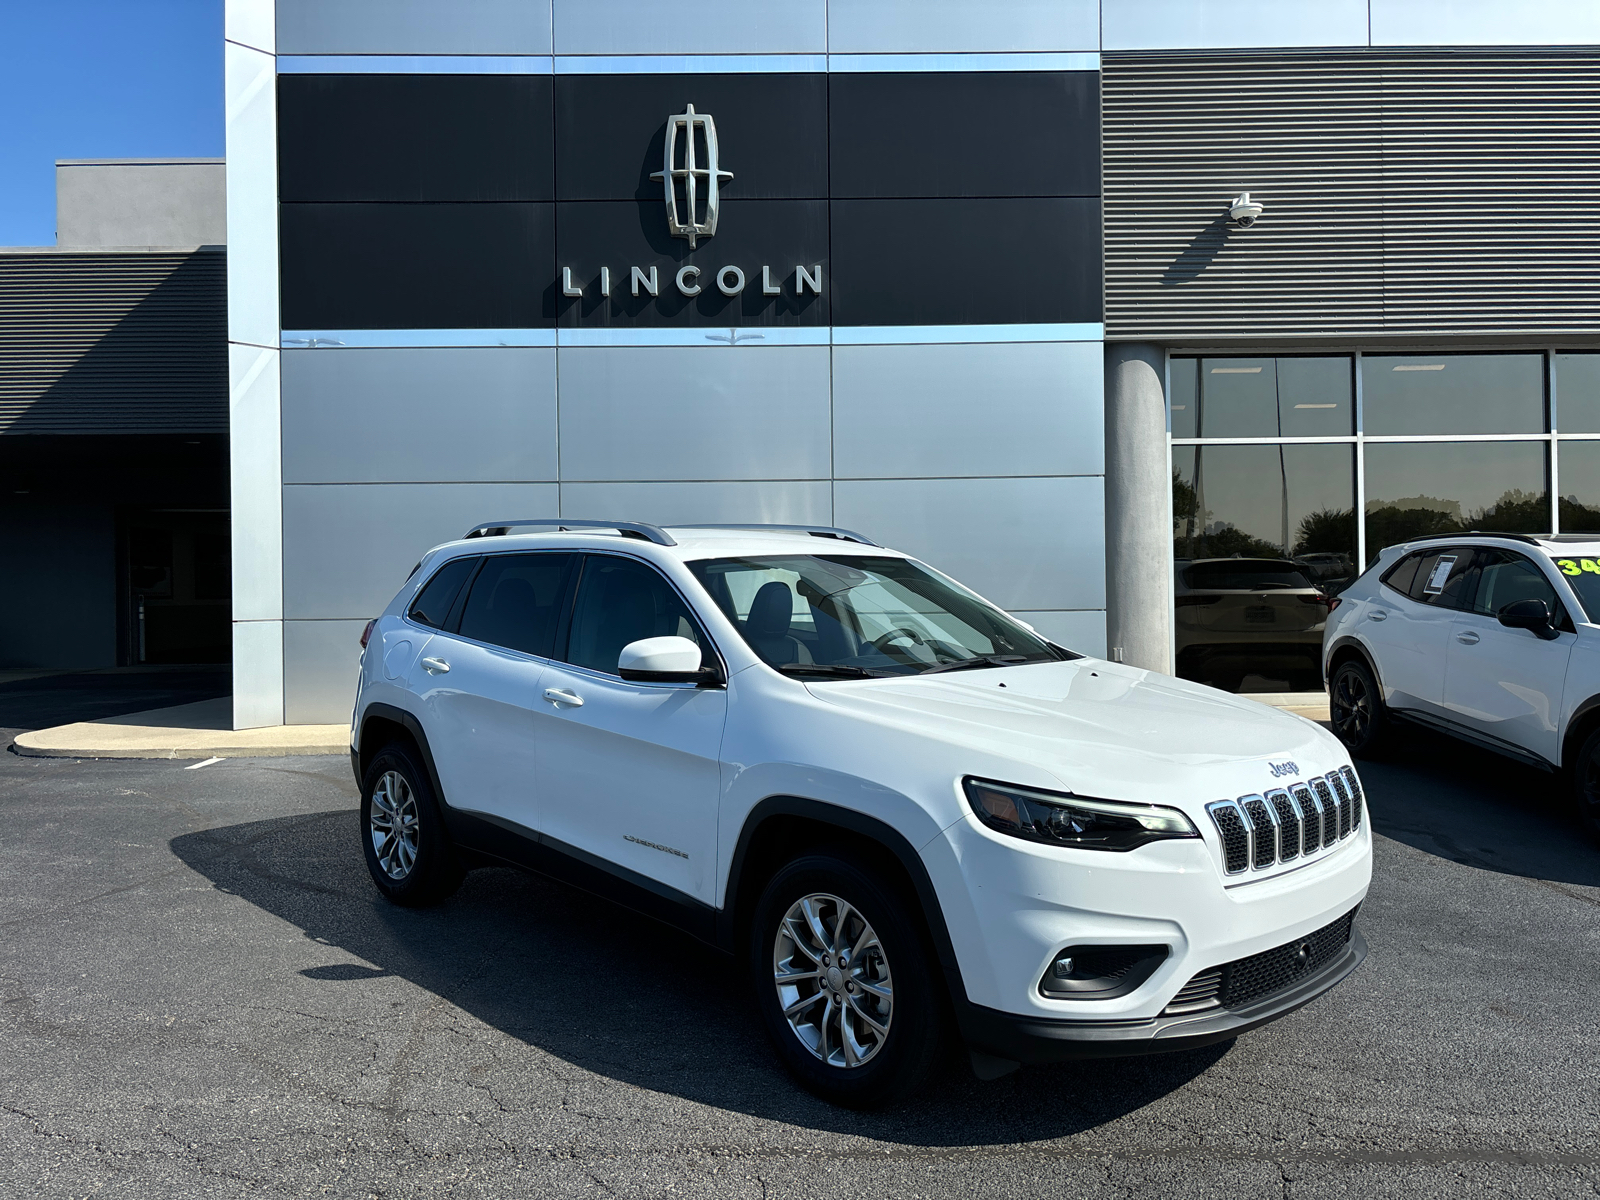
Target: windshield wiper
(842, 672)
(982, 660)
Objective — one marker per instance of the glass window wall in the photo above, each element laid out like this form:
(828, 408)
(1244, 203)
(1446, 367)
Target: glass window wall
(1270, 456)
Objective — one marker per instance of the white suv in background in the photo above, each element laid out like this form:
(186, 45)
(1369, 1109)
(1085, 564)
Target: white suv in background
(1491, 638)
(904, 809)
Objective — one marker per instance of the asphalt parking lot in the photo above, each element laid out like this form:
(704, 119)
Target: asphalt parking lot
(202, 995)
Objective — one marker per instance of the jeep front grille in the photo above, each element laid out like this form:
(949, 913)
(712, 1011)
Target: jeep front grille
(1260, 831)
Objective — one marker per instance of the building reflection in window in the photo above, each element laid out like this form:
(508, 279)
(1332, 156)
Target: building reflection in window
(1420, 488)
(1262, 537)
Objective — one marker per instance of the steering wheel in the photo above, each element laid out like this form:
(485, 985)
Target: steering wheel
(881, 642)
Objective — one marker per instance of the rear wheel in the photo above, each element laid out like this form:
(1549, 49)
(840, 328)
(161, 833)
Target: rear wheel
(408, 852)
(1355, 703)
(1586, 784)
(844, 982)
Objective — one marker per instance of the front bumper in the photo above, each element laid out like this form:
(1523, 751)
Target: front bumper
(1038, 1039)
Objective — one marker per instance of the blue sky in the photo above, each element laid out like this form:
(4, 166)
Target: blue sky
(100, 79)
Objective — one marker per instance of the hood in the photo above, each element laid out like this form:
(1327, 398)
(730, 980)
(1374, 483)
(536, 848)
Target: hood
(1103, 729)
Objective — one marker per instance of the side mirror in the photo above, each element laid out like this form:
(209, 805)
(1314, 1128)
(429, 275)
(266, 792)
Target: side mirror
(1531, 615)
(663, 660)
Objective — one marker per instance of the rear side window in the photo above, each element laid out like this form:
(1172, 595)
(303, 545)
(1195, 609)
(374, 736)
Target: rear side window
(432, 605)
(1403, 574)
(1443, 578)
(516, 601)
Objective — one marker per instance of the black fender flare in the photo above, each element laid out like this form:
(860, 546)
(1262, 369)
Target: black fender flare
(865, 826)
(407, 721)
(1580, 714)
(1348, 642)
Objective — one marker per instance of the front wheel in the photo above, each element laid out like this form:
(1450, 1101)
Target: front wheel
(1359, 716)
(1586, 784)
(844, 982)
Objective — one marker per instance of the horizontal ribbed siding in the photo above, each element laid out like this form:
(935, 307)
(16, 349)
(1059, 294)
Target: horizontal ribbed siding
(113, 343)
(1405, 194)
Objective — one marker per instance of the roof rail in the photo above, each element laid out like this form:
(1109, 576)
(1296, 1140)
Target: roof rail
(1470, 533)
(821, 531)
(633, 529)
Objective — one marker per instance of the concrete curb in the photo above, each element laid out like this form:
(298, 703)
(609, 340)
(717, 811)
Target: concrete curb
(197, 731)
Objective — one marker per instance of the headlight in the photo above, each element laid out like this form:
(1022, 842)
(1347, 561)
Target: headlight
(1084, 824)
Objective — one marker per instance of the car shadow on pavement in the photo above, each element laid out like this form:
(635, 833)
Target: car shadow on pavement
(1471, 806)
(624, 996)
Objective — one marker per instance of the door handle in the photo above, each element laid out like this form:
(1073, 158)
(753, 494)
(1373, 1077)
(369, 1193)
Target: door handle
(1377, 614)
(1467, 637)
(435, 666)
(562, 696)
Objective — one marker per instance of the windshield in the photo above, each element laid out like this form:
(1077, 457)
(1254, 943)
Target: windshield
(854, 616)
(1584, 576)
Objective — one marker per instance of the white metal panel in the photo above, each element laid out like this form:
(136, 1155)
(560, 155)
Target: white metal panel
(961, 26)
(1220, 24)
(257, 674)
(321, 663)
(647, 413)
(349, 547)
(780, 503)
(419, 416)
(1025, 544)
(1485, 23)
(252, 150)
(710, 27)
(969, 410)
(414, 26)
(250, 23)
(255, 483)
(1083, 630)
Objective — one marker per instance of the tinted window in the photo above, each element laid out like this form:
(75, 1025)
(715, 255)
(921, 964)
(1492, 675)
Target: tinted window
(516, 601)
(1443, 577)
(433, 602)
(1504, 577)
(1428, 489)
(1403, 574)
(1583, 575)
(1246, 574)
(620, 601)
(1453, 393)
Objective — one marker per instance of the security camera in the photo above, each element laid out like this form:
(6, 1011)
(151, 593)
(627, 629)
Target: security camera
(1244, 211)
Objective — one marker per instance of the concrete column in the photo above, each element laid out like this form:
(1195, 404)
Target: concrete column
(1138, 509)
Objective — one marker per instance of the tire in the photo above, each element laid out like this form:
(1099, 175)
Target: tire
(1586, 784)
(1355, 703)
(420, 867)
(893, 1012)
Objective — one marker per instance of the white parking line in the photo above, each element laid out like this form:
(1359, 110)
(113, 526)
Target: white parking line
(198, 765)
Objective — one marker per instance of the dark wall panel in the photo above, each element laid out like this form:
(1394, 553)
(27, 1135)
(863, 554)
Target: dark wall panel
(772, 132)
(415, 137)
(957, 262)
(752, 233)
(417, 266)
(981, 133)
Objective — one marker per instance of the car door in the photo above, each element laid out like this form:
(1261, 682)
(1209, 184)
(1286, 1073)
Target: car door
(1409, 631)
(1507, 683)
(478, 681)
(628, 772)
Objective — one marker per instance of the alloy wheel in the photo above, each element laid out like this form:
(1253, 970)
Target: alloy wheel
(1352, 707)
(392, 824)
(833, 980)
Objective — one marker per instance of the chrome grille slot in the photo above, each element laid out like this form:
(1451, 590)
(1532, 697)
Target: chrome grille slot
(1289, 824)
(1311, 815)
(1259, 831)
(1265, 851)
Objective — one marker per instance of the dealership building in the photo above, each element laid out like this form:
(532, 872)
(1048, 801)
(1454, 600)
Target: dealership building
(978, 279)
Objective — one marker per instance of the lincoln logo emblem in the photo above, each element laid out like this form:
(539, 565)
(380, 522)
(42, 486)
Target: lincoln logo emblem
(691, 126)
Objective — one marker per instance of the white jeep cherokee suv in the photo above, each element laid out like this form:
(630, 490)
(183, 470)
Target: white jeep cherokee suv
(1492, 638)
(905, 809)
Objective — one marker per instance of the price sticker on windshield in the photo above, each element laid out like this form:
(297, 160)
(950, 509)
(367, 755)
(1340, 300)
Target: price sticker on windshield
(1577, 566)
(1441, 572)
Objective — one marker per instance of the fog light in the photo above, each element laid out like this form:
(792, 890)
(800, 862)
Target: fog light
(1100, 972)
